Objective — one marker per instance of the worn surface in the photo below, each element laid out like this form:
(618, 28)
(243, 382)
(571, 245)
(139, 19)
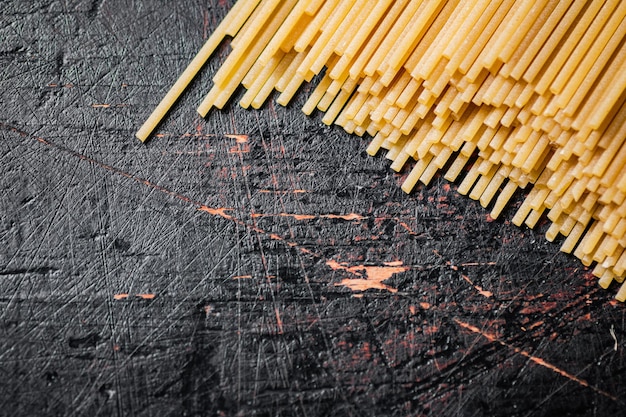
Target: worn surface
(254, 262)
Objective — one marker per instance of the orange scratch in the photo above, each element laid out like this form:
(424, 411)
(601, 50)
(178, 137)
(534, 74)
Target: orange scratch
(346, 217)
(68, 85)
(242, 277)
(541, 362)
(216, 211)
(299, 216)
(484, 293)
(221, 212)
(295, 216)
(284, 191)
(279, 321)
(406, 227)
(120, 296)
(239, 149)
(238, 138)
(123, 296)
(146, 296)
(374, 275)
(481, 291)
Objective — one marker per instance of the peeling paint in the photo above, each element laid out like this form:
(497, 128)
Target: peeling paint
(374, 276)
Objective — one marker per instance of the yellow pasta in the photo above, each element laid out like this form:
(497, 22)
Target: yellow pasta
(229, 26)
(507, 94)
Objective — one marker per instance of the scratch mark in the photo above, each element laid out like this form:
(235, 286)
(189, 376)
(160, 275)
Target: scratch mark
(146, 296)
(284, 191)
(406, 227)
(539, 307)
(478, 288)
(124, 296)
(220, 212)
(199, 152)
(39, 271)
(481, 291)
(120, 296)
(238, 138)
(107, 106)
(478, 264)
(239, 149)
(541, 362)
(374, 275)
(346, 217)
(187, 135)
(242, 277)
(279, 321)
(535, 325)
(612, 332)
(55, 85)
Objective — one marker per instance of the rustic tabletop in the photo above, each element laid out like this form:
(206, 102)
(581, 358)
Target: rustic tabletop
(255, 262)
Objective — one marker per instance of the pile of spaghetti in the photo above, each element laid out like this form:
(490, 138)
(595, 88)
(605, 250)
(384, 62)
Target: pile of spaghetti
(499, 95)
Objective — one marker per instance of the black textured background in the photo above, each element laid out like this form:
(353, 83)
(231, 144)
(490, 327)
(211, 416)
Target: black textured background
(202, 273)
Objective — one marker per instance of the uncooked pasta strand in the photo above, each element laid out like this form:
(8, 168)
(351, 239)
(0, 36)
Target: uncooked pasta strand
(229, 26)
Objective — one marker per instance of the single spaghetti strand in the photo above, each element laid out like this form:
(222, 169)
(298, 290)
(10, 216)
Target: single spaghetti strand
(231, 24)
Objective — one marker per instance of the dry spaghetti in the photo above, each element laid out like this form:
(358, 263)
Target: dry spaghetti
(517, 93)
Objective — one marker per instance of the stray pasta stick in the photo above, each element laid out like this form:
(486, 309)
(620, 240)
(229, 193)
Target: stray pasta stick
(229, 26)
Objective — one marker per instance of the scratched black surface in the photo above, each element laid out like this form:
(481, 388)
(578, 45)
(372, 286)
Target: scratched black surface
(201, 274)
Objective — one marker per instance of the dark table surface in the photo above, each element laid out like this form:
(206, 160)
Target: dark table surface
(255, 262)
